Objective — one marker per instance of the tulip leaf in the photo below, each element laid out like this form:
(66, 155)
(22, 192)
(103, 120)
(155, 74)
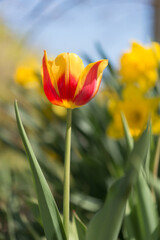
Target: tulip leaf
(155, 235)
(35, 209)
(107, 222)
(146, 208)
(49, 212)
(128, 226)
(128, 137)
(154, 182)
(80, 227)
(142, 219)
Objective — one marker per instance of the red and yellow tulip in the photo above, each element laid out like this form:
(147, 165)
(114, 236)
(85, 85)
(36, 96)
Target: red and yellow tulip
(68, 83)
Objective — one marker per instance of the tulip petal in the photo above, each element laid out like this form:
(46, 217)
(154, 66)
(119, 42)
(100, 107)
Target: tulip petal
(67, 83)
(49, 89)
(66, 69)
(76, 68)
(89, 82)
(66, 92)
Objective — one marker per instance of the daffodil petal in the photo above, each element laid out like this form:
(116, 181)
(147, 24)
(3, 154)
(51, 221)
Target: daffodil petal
(49, 89)
(89, 82)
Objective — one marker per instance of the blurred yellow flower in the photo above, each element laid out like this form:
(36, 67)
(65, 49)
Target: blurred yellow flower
(139, 66)
(59, 111)
(156, 50)
(27, 74)
(155, 124)
(137, 110)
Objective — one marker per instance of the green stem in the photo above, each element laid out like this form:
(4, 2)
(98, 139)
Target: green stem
(66, 193)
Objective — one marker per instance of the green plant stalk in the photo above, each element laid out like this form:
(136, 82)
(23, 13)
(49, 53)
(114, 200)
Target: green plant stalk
(66, 190)
(156, 159)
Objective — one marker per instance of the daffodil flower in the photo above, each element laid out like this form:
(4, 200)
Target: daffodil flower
(139, 66)
(26, 74)
(68, 83)
(137, 109)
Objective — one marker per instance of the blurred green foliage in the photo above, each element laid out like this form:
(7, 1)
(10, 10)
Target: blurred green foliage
(97, 161)
(92, 170)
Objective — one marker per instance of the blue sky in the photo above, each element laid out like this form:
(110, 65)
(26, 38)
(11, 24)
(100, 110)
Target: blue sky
(113, 23)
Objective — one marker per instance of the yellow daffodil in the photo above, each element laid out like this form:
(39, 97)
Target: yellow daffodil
(136, 113)
(156, 124)
(137, 110)
(156, 50)
(139, 66)
(27, 74)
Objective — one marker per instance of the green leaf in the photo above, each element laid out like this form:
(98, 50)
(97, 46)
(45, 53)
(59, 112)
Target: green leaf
(146, 208)
(107, 222)
(128, 227)
(155, 235)
(154, 182)
(33, 204)
(128, 137)
(142, 219)
(49, 212)
(10, 222)
(86, 202)
(81, 228)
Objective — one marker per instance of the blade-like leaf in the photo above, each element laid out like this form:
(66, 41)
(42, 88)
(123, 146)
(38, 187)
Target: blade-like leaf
(146, 208)
(128, 137)
(154, 182)
(155, 235)
(35, 209)
(107, 222)
(143, 217)
(49, 212)
(81, 228)
(128, 227)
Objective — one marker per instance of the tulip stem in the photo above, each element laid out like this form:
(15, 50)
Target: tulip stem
(66, 190)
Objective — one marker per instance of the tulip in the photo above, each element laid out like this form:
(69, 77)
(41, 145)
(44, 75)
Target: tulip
(68, 83)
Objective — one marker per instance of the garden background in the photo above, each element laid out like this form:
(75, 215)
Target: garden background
(127, 34)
